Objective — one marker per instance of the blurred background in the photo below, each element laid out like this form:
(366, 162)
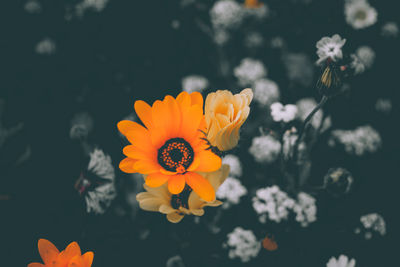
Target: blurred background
(96, 57)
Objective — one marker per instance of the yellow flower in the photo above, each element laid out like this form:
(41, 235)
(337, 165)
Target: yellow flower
(159, 199)
(225, 113)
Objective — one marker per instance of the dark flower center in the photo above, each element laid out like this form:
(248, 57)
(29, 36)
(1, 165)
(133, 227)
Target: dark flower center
(182, 199)
(175, 155)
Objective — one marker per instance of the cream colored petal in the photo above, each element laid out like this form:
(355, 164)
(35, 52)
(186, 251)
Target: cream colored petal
(174, 217)
(151, 204)
(166, 209)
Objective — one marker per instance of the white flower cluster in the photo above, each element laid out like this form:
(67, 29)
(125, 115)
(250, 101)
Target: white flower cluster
(46, 47)
(305, 209)
(249, 71)
(265, 149)
(266, 91)
(360, 14)
(363, 139)
(374, 222)
(95, 5)
(242, 244)
(273, 204)
(100, 198)
(299, 68)
(363, 59)
(285, 113)
(342, 261)
(235, 167)
(194, 83)
(231, 191)
(390, 29)
(383, 105)
(330, 47)
(226, 14)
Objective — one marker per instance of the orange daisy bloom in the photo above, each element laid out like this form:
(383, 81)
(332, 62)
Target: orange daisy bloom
(71, 256)
(170, 147)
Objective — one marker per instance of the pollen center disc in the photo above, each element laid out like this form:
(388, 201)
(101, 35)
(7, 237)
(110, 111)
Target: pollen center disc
(175, 153)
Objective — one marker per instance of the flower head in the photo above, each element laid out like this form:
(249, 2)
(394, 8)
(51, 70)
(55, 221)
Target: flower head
(231, 191)
(284, 113)
(266, 92)
(226, 14)
(338, 181)
(359, 14)
(187, 202)
(170, 147)
(249, 70)
(225, 113)
(330, 47)
(342, 261)
(194, 83)
(265, 149)
(71, 256)
(242, 244)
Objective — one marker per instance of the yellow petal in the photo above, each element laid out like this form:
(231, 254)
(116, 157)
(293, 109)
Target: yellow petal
(174, 217)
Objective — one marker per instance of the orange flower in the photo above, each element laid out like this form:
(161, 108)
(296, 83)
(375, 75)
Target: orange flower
(70, 257)
(252, 3)
(171, 147)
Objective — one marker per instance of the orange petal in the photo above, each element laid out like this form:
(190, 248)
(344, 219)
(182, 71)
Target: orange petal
(35, 264)
(200, 185)
(197, 99)
(191, 121)
(88, 259)
(162, 118)
(125, 125)
(174, 115)
(72, 250)
(134, 152)
(76, 261)
(127, 165)
(176, 184)
(209, 162)
(136, 134)
(184, 101)
(156, 179)
(143, 110)
(47, 251)
(146, 167)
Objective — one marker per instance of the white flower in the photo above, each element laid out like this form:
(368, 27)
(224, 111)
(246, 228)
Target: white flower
(95, 5)
(242, 244)
(194, 83)
(283, 113)
(265, 149)
(356, 64)
(359, 14)
(100, 164)
(374, 222)
(273, 204)
(390, 29)
(305, 209)
(226, 14)
(33, 7)
(249, 71)
(221, 37)
(300, 69)
(231, 191)
(304, 108)
(330, 47)
(234, 164)
(383, 105)
(266, 91)
(253, 39)
(342, 261)
(366, 56)
(46, 47)
(363, 139)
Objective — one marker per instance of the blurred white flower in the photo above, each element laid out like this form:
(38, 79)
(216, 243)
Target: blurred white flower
(289, 140)
(304, 108)
(242, 244)
(273, 204)
(81, 125)
(360, 14)
(231, 191)
(226, 14)
(95, 5)
(374, 222)
(366, 56)
(234, 164)
(363, 139)
(305, 209)
(383, 105)
(194, 83)
(300, 69)
(100, 164)
(46, 47)
(342, 261)
(266, 91)
(356, 64)
(221, 37)
(285, 113)
(330, 47)
(175, 261)
(260, 12)
(390, 29)
(265, 149)
(249, 71)
(253, 40)
(33, 6)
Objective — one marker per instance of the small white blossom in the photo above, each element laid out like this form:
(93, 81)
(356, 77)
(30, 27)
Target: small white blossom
(273, 204)
(363, 139)
(305, 209)
(249, 71)
(356, 64)
(33, 6)
(226, 14)
(231, 191)
(194, 83)
(360, 14)
(221, 37)
(266, 91)
(265, 149)
(390, 29)
(242, 244)
(95, 5)
(285, 113)
(383, 105)
(253, 40)
(234, 165)
(46, 47)
(374, 222)
(330, 47)
(366, 56)
(342, 261)
(300, 69)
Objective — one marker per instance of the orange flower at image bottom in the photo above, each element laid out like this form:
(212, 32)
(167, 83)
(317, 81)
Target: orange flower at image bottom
(70, 257)
(170, 147)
